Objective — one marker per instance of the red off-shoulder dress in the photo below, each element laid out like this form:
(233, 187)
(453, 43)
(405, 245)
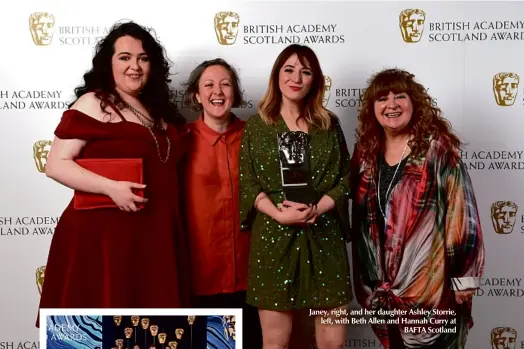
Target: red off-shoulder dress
(108, 258)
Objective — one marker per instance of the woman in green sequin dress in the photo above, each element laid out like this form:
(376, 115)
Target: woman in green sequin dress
(298, 255)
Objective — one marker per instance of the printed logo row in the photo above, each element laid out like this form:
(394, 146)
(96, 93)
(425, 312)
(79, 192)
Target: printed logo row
(412, 23)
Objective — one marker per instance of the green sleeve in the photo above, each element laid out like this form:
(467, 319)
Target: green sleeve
(249, 184)
(340, 193)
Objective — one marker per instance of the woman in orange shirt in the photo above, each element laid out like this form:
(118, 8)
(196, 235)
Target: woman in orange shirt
(219, 250)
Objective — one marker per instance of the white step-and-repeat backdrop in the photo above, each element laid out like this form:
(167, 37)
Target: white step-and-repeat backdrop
(469, 55)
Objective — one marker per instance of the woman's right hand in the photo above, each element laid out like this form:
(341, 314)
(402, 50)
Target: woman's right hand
(121, 192)
(296, 214)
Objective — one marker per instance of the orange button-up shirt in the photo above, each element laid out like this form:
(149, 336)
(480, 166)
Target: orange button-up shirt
(219, 250)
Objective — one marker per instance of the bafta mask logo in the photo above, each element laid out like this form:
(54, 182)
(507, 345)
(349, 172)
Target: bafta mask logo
(40, 152)
(226, 27)
(503, 216)
(41, 26)
(412, 24)
(40, 274)
(505, 88)
(229, 326)
(503, 338)
(293, 148)
(327, 90)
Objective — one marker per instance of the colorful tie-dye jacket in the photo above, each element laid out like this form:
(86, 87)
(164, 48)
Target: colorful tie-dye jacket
(433, 235)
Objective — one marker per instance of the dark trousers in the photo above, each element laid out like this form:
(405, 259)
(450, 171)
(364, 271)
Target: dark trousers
(252, 332)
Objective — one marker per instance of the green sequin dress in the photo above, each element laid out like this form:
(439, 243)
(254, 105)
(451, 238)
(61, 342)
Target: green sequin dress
(293, 267)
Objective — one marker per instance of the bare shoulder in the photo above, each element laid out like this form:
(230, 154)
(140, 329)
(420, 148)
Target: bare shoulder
(90, 105)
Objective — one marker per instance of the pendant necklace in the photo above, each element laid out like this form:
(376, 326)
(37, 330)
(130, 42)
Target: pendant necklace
(142, 118)
(390, 183)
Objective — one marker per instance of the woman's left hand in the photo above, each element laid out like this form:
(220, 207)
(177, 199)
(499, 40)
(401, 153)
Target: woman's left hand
(291, 204)
(464, 296)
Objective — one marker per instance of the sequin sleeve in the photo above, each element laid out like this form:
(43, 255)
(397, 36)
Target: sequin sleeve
(249, 184)
(341, 188)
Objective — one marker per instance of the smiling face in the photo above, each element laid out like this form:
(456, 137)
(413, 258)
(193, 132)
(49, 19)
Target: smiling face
(215, 92)
(393, 112)
(295, 79)
(131, 66)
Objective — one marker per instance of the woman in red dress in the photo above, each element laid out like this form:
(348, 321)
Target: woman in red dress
(131, 256)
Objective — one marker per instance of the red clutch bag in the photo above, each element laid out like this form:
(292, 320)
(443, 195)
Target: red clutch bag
(130, 170)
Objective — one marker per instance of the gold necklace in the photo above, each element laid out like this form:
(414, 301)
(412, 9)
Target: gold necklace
(141, 117)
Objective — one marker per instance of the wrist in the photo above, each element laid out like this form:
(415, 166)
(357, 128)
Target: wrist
(107, 185)
(261, 196)
(276, 214)
(320, 210)
(325, 204)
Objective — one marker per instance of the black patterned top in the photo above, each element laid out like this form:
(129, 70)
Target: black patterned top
(386, 177)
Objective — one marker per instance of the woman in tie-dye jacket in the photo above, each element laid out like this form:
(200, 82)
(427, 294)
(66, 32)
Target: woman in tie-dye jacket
(417, 242)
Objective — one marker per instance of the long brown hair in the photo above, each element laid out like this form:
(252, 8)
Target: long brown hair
(313, 111)
(426, 121)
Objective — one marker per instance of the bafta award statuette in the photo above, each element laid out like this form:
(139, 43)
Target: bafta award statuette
(294, 155)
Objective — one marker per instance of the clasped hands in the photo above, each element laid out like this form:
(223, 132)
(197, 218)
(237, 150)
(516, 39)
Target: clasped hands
(295, 213)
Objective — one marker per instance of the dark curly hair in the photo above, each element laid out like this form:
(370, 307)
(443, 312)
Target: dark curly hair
(156, 95)
(426, 121)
